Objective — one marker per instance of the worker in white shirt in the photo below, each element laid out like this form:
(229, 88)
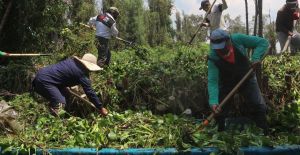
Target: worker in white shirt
(214, 19)
(105, 28)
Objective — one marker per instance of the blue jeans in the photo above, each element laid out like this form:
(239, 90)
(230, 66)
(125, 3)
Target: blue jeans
(254, 103)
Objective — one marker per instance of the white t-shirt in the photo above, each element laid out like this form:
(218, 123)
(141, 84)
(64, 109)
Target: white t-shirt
(216, 20)
(102, 30)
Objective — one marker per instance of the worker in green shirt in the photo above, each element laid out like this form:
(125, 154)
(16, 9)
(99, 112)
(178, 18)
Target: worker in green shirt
(227, 65)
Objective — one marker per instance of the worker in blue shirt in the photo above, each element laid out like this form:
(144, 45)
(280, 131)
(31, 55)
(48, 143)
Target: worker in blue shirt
(227, 65)
(52, 81)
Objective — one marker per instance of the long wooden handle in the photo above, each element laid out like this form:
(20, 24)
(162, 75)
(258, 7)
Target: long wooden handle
(224, 101)
(126, 41)
(87, 26)
(5, 54)
(25, 55)
(118, 38)
(82, 99)
(199, 27)
(288, 41)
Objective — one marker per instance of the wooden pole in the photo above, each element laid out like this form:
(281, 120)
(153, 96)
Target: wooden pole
(82, 99)
(5, 54)
(200, 26)
(118, 38)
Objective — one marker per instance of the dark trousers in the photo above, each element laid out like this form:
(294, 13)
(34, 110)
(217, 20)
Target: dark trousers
(104, 54)
(254, 103)
(51, 92)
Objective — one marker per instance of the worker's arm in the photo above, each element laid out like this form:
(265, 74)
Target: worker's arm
(258, 44)
(92, 21)
(2, 53)
(213, 82)
(224, 5)
(90, 93)
(114, 30)
(205, 23)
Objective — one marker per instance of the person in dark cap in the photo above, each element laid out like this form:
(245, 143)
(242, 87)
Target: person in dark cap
(227, 65)
(105, 28)
(52, 81)
(214, 19)
(285, 24)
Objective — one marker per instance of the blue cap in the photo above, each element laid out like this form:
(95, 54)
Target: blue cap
(218, 38)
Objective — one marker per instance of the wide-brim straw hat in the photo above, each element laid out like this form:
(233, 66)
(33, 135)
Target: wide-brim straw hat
(89, 61)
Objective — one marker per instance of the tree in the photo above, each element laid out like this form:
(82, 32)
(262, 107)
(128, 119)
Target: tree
(109, 3)
(235, 25)
(81, 10)
(255, 18)
(190, 23)
(131, 22)
(260, 23)
(270, 34)
(178, 27)
(247, 17)
(33, 25)
(135, 28)
(2, 22)
(160, 22)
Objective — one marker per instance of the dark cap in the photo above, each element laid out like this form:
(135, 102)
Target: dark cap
(291, 1)
(203, 4)
(293, 4)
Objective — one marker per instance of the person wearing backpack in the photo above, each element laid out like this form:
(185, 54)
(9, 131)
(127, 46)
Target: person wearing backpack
(105, 28)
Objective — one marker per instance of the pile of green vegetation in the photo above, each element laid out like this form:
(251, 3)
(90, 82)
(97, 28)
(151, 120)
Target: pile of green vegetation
(127, 129)
(148, 86)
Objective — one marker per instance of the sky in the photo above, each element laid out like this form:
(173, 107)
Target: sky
(235, 7)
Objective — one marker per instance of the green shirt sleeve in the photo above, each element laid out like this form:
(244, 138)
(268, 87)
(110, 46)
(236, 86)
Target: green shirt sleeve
(258, 44)
(213, 80)
(2, 53)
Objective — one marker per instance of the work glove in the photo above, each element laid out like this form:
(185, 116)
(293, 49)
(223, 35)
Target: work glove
(103, 111)
(255, 64)
(296, 15)
(214, 108)
(291, 34)
(205, 24)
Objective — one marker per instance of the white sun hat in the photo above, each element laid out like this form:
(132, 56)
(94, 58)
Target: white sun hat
(90, 62)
